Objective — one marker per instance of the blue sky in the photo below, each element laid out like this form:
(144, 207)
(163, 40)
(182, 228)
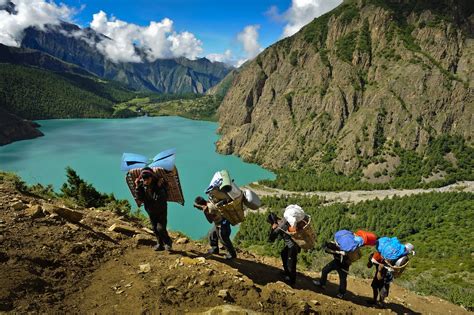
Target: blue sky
(215, 23)
(227, 31)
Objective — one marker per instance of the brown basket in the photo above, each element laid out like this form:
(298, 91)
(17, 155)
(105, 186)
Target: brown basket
(304, 235)
(171, 178)
(355, 255)
(397, 270)
(233, 211)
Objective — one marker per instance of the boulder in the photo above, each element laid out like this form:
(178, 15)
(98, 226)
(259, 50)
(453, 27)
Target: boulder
(70, 215)
(18, 205)
(149, 231)
(224, 294)
(124, 229)
(186, 261)
(182, 240)
(72, 226)
(35, 211)
(144, 268)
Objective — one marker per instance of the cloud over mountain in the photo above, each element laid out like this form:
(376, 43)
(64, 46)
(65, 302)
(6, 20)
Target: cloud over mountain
(29, 13)
(301, 13)
(157, 40)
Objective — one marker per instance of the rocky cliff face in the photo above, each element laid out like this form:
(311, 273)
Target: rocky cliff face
(179, 75)
(14, 128)
(354, 82)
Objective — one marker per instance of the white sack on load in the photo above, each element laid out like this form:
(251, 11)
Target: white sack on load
(216, 181)
(294, 214)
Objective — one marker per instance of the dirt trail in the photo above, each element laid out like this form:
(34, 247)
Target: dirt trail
(57, 259)
(177, 282)
(356, 196)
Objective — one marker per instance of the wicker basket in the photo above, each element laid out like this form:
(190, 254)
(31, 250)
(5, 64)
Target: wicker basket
(355, 255)
(173, 184)
(397, 270)
(304, 235)
(233, 211)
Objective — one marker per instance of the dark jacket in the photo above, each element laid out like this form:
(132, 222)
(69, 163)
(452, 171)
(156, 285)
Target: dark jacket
(283, 226)
(332, 248)
(153, 194)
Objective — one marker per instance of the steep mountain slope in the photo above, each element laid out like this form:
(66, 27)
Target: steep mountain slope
(31, 57)
(34, 93)
(57, 259)
(72, 44)
(354, 83)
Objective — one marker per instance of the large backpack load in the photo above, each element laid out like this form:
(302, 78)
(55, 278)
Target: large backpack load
(172, 183)
(303, 234)
(370, 239)
(162, 164)
(251, 199)
(227, 197)
(394, 254)
(390, 248)
(349, 244)
(399, 266)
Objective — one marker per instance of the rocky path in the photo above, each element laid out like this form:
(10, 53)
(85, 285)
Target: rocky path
(356, 196)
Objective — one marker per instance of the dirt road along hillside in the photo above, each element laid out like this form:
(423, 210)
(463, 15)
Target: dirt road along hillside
(356, 196)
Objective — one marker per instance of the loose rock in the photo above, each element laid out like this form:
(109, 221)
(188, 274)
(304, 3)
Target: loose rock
(182, 240)
(124, 229)
(224, 294)
(35, 211)
(18, 206)
(145, 268)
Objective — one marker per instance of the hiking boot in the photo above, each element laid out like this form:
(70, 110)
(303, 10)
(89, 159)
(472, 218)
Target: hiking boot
(213, 251)
(288, 281)
(318, 284)
(283, 273)
(168, 247)
(229, 257)
(158, 248)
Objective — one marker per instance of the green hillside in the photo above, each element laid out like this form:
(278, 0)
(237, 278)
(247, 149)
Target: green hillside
(34, 93)
(440, 225)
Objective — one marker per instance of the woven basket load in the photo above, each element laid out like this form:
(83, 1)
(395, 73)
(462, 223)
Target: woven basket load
(354, 255)
(171, 178)
(398, 270)
(233, 211)
(304, 235)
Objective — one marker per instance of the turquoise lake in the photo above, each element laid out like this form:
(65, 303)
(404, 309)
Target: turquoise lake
(93, 147)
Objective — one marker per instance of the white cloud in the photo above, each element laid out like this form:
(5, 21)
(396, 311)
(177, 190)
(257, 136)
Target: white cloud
(158, 40)
(301, 13)
(36, 13)
(226, 57)
(249, 40)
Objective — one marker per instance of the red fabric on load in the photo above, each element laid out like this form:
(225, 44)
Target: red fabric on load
(377, 257)
(368, 237)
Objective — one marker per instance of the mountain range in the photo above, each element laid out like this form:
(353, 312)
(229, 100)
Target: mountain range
(56, 56)
(177, 75)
